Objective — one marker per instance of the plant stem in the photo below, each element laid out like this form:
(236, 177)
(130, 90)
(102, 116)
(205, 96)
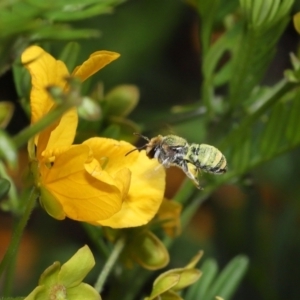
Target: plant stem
(10, 254)
(109, 264)
(185, 191)
(96, 235)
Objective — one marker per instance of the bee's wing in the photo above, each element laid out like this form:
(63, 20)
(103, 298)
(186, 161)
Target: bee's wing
(156, 169)
(153, 170)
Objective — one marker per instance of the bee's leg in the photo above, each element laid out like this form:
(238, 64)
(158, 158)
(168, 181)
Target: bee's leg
(158, 167)
(191, 172)
(165, 163)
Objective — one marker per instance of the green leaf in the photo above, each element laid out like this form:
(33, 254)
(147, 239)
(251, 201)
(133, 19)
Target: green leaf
(207, 11)
(4, 187)
(271, 139)
(241, 153)
(273, 9)
(229, 279)
(89, 12)
(257, 140)
(199, 289)
(293, 122)
(7, 149)
(69, 55)
(261, 11)
(63, 32)
(256, 47)
(113, 131)
(224, 43)
(21, 80)
(211, 61)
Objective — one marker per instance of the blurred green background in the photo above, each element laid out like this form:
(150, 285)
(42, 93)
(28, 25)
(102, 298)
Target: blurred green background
(256, 214)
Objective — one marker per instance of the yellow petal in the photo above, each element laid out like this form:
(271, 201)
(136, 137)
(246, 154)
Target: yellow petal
(169, 214)
(147, 181)
(94, 63)
(123, 179)
(44, 71)
(82, 196)
(60, 134)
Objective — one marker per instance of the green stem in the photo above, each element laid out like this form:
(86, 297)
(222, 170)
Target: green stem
(109, 264)
(23, 136)
(186, 190)
(10, 271)
(96, 235)
(17, 234)
(194, 205)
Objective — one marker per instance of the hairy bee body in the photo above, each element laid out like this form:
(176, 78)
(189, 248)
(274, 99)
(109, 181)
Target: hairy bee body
(207, 158)
(172, 150)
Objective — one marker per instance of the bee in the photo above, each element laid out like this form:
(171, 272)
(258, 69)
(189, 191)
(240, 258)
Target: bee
(172, 150)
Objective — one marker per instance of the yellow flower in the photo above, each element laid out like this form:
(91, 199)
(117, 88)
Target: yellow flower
(92, 182)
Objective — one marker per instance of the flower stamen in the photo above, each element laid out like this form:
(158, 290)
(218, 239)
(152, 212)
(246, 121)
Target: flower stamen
(58, 292)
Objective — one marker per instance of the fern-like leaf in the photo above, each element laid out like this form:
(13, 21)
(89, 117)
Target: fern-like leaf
(257, 45)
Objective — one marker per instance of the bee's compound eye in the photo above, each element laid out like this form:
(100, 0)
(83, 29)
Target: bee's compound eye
(152, 153)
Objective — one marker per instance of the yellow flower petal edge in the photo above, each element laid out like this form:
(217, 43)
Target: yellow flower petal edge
(93, 182)
(82, 197)
(61, 133)
(45, 71)
(147, 182)
(94, 63)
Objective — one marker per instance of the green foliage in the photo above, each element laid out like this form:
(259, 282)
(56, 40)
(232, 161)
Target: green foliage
(251, 43)
(8, 150)
(256, 123)
(250, 123)
(256, 45)
(31, 21)
(224, 284)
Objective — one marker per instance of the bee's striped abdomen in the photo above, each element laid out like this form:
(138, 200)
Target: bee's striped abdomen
(207, 158)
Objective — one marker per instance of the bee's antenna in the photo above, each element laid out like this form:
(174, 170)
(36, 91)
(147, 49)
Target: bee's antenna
(139, 148)
(142, 136)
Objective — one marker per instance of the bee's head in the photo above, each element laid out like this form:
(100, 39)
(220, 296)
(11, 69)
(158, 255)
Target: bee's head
(150, 147)
(153, 146)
